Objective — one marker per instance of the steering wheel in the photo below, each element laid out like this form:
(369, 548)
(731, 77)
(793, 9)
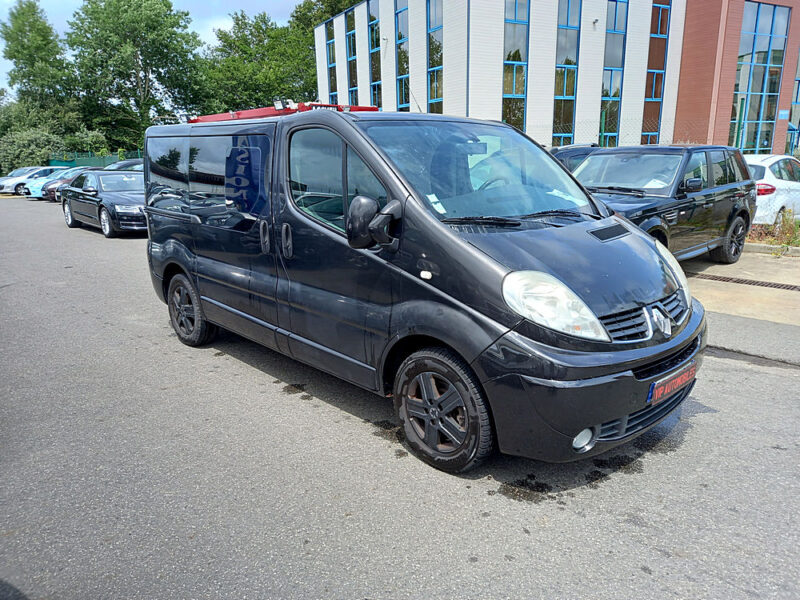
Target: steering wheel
(489, 182)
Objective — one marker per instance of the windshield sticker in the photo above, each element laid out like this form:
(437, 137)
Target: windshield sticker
(437, 206)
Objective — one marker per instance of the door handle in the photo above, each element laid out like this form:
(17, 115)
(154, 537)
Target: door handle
(263, 230)
(286, 240)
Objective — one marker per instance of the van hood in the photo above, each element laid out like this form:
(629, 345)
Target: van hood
(609, 276)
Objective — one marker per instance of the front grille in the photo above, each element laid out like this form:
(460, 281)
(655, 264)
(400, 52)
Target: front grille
(667, 363)
(641, 419)
(633, 325)
(627, 326)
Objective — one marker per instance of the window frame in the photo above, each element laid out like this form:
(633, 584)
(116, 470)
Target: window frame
(345, 146)
(707, 182)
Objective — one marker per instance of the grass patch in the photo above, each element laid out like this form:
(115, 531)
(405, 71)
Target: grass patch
(784, 233)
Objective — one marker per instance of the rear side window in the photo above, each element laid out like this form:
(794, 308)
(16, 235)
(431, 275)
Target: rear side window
(315, 175)
(697, 168)
(168, 162)
(739, 166)
(794, 169)
(757, 171)
(227, 176)
(720, 168)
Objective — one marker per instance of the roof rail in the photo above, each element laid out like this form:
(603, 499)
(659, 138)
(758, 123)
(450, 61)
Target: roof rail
(280, 109)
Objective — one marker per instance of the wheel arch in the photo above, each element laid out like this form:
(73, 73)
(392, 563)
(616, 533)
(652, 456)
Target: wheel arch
(170, 270)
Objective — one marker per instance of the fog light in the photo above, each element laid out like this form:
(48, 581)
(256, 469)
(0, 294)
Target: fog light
(583, 439)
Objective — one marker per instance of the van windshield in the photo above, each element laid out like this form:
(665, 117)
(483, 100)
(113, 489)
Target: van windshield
(477, 170)
(652, 172)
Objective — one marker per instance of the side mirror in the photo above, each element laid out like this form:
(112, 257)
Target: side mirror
(90, 190)
(693, 184)
(360, 214)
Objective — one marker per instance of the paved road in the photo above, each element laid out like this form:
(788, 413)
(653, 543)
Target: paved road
(132, 466)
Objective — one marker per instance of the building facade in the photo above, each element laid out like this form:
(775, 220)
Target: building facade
(611, 72)
(565, 71)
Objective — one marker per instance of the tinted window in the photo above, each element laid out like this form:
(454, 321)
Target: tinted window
(737, 167)
(697, 168)
(361, 181)
(720, 168)
(794, 169)
(168, 162)
(315, 173)
(780, 170)
(78, 183)
(227, 176)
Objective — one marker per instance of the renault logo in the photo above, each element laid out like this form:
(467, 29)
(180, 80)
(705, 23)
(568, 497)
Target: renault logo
(661, 321)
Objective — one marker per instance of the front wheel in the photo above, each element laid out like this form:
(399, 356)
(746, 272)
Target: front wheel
(186, 315)
(442, 410)
(105, 224)
(18, 189)
(69, 219)
(732, 244)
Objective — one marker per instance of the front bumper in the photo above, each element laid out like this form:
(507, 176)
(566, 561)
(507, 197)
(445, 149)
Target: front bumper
(130, 221)
(538, 417)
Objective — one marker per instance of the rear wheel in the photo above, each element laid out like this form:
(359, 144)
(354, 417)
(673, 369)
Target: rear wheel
(186, 315)
(69, 219)
(733, 244)
(443, 411)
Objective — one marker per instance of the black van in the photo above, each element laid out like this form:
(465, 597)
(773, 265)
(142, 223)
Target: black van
(452, 264)
(693, 199)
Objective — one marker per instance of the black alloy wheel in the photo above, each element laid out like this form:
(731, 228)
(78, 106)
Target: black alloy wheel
(733, 244)
(443, 411)
(186, 315)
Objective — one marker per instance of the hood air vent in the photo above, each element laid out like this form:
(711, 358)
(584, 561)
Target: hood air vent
(606, 234)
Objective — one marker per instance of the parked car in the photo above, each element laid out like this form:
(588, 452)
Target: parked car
(777, 179)
(17, 173)
(692, 199)
(129, 164)
(112, 201)
(572, 155)
(450, 263)
(55, 188)
(35, 187)
(16, 185)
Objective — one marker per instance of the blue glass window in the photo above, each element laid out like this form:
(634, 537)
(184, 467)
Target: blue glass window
(613, 71)
(656, 69)
(569, 23)
(762, 46)
(374, 53)
(352, 69)
(435, 56)
(330, 53)
(401, 49)
(515, 62)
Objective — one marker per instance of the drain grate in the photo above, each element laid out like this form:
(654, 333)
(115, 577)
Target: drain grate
(766, 284)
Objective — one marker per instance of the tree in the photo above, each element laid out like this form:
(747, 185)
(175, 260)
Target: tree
(41, 72)
(136, 60)
(27, 147)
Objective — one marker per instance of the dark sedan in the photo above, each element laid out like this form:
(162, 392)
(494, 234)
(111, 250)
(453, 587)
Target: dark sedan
(110, 200)
(691, 199)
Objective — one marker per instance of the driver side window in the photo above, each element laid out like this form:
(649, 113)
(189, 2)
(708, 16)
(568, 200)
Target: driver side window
(697, 168)
(91, 182)
(78, 183)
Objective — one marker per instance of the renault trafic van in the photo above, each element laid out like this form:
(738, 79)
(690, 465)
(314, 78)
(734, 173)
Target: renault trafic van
(451, 264)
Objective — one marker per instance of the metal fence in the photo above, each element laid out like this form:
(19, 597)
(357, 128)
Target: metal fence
(90, 159)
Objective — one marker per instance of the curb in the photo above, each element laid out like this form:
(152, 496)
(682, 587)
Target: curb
(769, 249)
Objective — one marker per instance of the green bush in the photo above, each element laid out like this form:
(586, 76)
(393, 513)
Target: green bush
(28, 147)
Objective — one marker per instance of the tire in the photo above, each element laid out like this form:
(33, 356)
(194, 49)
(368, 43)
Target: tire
(105, 224)
(186, 314)
(443, 411)
(733, 244)
(778, 225)
(18, 189)
(69, 219)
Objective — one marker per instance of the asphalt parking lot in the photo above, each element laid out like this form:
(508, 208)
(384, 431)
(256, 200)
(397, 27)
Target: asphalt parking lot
(132, 466)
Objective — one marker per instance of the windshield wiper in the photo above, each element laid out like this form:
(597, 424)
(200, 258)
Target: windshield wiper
(559, 212)
(617, 188)
(496, 221)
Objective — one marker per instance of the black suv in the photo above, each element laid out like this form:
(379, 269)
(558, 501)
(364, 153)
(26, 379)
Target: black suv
(692, 199)
(572, 155)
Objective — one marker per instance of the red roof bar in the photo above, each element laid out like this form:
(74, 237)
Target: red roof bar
(259, 113)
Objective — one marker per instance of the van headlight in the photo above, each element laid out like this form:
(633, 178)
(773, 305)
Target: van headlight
(543, 299)
(677, 270)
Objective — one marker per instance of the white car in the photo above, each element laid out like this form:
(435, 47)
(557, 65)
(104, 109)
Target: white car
(16, 185)
(777, 178)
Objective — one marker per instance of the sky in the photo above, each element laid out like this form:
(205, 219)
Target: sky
(206, 15)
